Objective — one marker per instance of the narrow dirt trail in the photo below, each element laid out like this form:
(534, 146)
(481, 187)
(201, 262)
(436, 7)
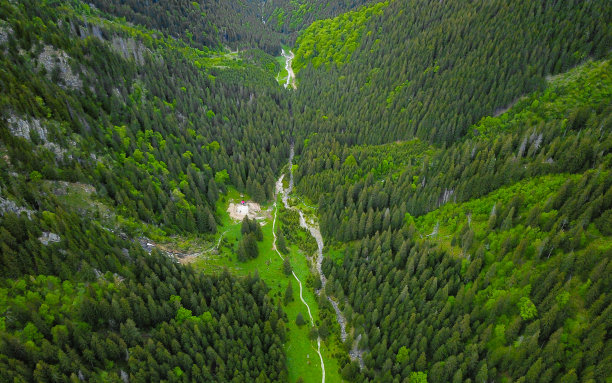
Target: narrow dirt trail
(263, 4)
(218, 243)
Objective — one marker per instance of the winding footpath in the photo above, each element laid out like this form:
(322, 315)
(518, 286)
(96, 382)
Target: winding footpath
(218, 243)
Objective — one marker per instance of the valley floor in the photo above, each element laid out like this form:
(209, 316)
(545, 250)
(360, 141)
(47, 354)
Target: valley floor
(302, 352)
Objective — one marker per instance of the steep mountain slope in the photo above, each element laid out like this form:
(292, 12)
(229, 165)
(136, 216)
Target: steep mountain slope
(512, 284)
(239, 24)
(87, 305)
(334, 39)
(562, 129)
(430, 69)
(110, 131)
(149, 121)
(291, 16)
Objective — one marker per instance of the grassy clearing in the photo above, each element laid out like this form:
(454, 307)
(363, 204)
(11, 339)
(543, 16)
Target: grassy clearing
(302, 358)
(281, 77)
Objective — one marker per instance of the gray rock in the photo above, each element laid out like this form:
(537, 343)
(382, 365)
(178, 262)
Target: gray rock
(5, 32)
(129, 48)
(57, 150)
(51, 58)
(48, 237)
(97, 32)
(146, 244)
(23, 128)
(7, 205)
(83, 31)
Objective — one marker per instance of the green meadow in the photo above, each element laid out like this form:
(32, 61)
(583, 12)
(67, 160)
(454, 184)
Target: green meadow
(302, 358)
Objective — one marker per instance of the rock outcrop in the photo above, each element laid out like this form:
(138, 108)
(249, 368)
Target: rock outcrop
(5, 32)
(52, 58)
(129, 48)
(6, 205)
(47, 237)
(24, 128)
(28, 128)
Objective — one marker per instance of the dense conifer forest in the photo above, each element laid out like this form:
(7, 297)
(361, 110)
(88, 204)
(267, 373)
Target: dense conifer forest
(448, 64)
(432, 203)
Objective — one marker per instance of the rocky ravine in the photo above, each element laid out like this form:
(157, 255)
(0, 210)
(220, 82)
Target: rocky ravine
(290, 75)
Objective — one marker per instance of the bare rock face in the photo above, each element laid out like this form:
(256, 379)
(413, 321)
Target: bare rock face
(88, 29)
(47, 237)
(5, 32)
(57, 150)
(97, 32)
(129, 48)
(51, 58)
(24, 128)
(6, 205)
(146, 244)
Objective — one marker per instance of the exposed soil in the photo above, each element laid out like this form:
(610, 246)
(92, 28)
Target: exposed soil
(237, 211)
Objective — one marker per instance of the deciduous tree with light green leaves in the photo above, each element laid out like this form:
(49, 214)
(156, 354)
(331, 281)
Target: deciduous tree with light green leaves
(527, 308)
(418, 377)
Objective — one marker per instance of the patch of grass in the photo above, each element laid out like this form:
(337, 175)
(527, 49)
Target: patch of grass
(302, 358)
(281, 77)
(336, 253)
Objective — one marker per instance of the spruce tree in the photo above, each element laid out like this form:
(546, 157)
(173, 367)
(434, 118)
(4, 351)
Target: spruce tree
(287, 269)
(288, 293)
(299, 320)
(281, 242)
